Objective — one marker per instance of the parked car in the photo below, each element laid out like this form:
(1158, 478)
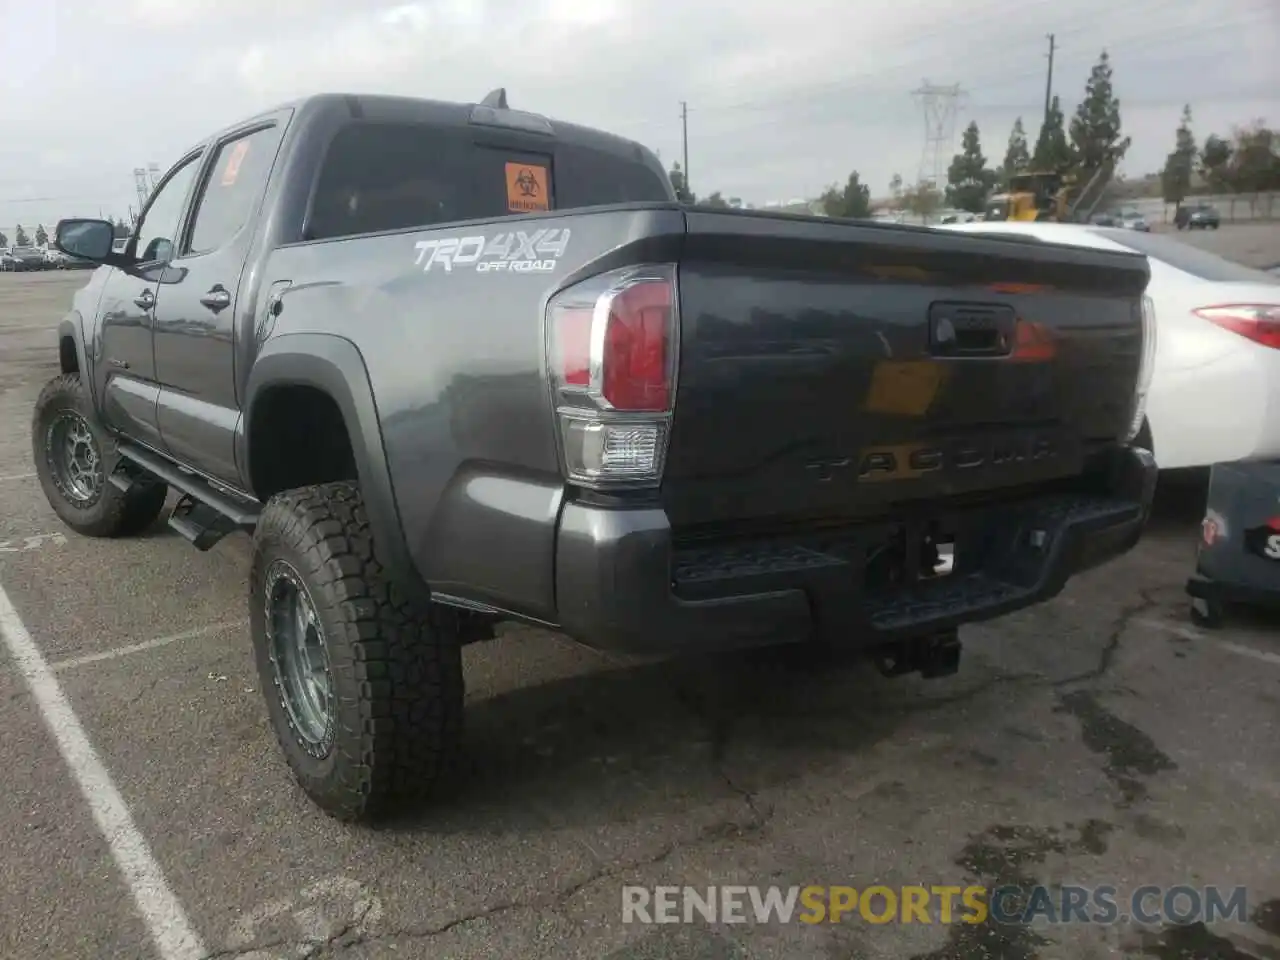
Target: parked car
(456, 364)
(1215, 391)
(27, 258)
(1133, 220)
(7, 263)
(1196, 216)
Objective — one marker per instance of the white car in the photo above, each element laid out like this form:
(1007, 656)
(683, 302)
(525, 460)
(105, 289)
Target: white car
(1215, 389)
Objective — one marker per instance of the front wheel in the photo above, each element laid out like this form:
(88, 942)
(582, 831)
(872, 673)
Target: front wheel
(73, 458)
(364, 688)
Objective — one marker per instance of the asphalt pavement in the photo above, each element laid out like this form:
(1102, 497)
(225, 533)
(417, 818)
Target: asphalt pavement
(1098, 739)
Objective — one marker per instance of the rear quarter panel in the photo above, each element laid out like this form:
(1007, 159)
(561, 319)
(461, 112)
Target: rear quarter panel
(455, 357)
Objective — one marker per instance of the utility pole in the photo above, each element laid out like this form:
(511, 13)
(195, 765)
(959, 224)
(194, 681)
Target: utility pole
(684, 127)
(1048, 85)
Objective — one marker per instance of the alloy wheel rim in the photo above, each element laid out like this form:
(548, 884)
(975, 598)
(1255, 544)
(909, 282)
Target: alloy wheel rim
(75, 459)
(299, 658)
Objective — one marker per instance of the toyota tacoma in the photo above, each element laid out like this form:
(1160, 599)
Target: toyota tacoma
(457, 364)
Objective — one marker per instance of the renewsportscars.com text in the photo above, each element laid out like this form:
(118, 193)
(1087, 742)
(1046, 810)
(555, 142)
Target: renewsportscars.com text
(934, 904)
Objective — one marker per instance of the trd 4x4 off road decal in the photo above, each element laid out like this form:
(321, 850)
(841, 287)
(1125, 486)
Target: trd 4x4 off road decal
(512, 252)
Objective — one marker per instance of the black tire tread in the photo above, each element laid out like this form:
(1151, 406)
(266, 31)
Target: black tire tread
(121, 514)
(406, 666)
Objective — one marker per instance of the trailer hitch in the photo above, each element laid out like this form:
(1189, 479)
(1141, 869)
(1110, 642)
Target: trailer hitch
(933, 656)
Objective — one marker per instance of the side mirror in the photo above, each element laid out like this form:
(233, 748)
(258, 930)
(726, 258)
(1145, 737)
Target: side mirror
(88, 240)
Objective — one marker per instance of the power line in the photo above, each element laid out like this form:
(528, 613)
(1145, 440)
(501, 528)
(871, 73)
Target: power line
(1143, 44)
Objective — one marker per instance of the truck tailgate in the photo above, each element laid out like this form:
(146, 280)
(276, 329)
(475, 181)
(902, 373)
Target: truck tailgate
(832, 370)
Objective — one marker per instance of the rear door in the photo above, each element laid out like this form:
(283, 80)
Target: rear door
(196, 303)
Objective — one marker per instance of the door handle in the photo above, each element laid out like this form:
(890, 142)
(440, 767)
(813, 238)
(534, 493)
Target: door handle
(146, 300)
(216, 299)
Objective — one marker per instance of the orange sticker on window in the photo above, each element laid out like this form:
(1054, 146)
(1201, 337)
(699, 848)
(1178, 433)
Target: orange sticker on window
(234, 159)
(527, 188)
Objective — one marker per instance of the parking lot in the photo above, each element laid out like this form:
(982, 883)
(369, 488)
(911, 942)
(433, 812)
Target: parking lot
(1098, 739)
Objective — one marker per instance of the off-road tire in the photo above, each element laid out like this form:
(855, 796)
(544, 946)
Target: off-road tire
(111, 513)
(395, 671)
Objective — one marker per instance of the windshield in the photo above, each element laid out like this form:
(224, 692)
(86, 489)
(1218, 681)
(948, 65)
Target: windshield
(1188, 259)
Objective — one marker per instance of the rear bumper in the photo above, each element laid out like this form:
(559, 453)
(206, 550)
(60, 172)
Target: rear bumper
(623, 583)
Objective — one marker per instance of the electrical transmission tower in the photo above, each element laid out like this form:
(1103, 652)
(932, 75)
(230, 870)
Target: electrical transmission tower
(144, 181)
(141, 185)
(940, 105)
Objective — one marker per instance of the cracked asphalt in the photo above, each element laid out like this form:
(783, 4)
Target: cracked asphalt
(1099, 739)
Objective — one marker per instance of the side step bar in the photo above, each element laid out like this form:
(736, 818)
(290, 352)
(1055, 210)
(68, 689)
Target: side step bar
(204, 514)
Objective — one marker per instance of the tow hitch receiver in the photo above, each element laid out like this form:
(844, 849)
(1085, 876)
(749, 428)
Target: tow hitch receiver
(933, 656)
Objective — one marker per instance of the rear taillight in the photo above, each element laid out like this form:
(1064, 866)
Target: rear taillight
(1260, 322)
(611, 352)
(1146, 368)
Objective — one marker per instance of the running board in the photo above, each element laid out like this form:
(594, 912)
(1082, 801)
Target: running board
(205, 514)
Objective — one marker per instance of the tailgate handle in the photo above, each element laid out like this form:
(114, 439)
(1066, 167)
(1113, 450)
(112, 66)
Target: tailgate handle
(971, 330)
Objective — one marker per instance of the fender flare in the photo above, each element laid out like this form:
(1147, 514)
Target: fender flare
(70, 327)
(334, 366)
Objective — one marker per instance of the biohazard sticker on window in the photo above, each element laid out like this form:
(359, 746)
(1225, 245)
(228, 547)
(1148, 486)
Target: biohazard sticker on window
(234, 159)
(527, 190)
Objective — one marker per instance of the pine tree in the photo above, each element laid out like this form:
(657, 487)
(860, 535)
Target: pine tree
(683, 193)
(968, 179)
(1016, 156)
(1052, 153)
(1095, 128)
(1175, 179)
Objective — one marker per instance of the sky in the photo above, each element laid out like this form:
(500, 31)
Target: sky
(783, 98)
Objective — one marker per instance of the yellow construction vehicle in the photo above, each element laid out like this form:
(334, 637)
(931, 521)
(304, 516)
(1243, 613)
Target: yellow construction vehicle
(1032, 196)
(1045, 195)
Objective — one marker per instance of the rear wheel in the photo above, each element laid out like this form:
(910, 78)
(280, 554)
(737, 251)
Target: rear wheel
(364, 688)
(73, 458)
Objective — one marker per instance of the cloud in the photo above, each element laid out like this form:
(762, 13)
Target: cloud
(783, 98)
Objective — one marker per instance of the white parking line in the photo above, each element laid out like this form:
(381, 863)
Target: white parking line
(17, 476)
(172, 932)
(72, 662)
(1263, 655)
(1191, 633)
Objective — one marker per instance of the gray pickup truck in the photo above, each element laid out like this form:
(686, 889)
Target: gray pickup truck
(457, 364)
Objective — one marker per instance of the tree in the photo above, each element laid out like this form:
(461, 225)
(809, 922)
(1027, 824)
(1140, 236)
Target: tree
(1016, 156)
(1095, 128)
(4, 241)
(1215, 161)
(923, 199)
(42, 237)
(1255, 165)
(854, 200)
(715, 200)
(122, 229)
(1052, 152)
(20, 237)
(683, 193)
(1175, 179)
(968, 179)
